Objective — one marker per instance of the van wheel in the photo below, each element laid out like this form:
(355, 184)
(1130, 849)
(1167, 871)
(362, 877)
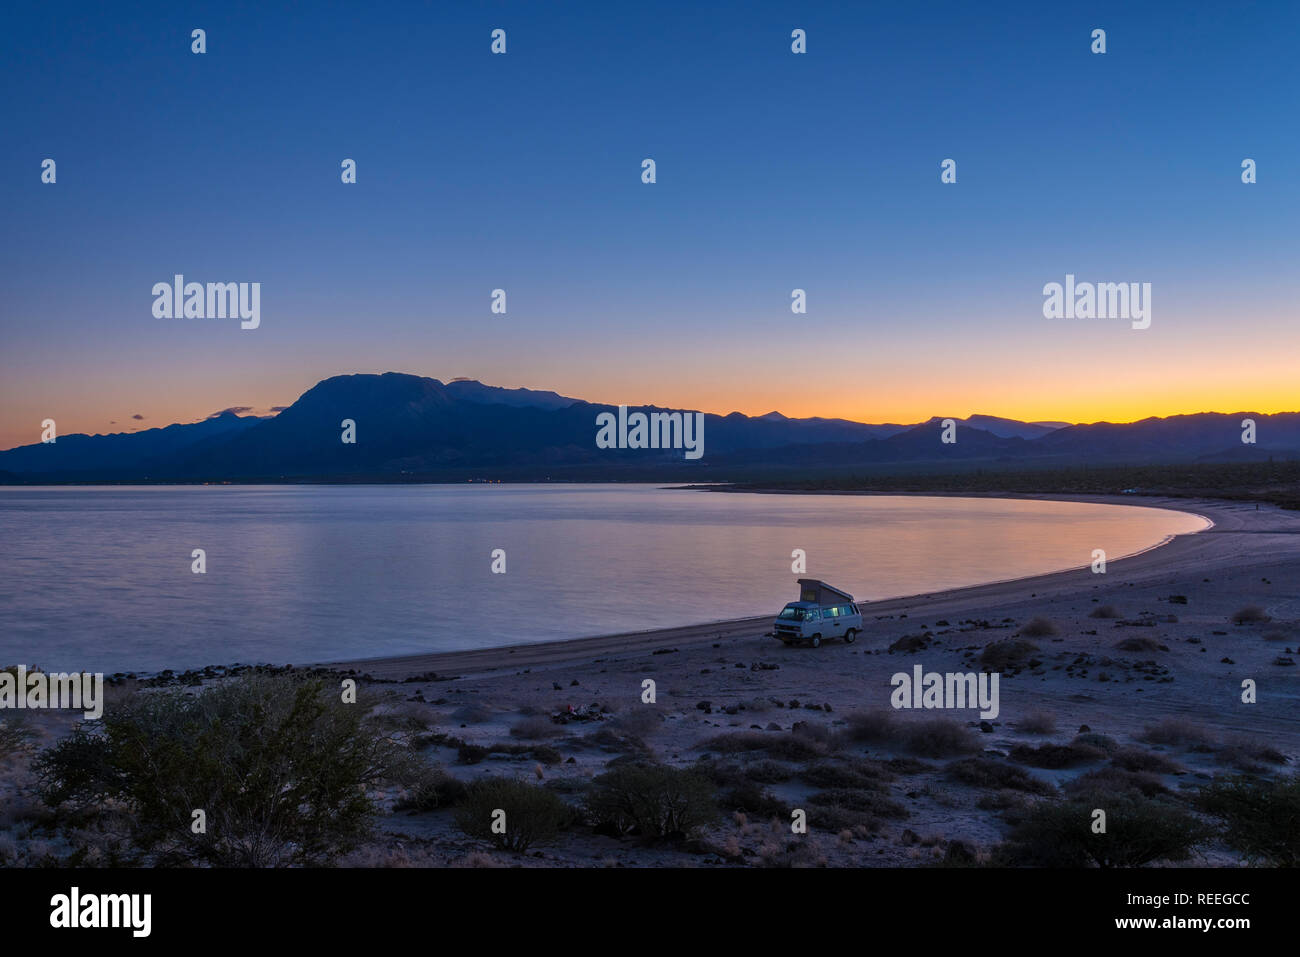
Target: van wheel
(816, 641)
(850, 636)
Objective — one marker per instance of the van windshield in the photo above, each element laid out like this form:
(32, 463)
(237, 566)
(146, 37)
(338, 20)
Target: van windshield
(793, 613)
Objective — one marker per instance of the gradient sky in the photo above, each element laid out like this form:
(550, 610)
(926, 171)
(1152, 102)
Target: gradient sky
(775, 171)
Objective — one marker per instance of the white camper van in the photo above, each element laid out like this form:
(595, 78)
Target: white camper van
(821, 612)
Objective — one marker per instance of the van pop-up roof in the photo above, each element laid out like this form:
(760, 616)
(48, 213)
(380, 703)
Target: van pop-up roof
(814, 590)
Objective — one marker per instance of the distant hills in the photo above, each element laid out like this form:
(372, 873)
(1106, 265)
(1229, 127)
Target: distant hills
(413, 428)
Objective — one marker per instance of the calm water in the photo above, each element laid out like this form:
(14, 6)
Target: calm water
(100, 579)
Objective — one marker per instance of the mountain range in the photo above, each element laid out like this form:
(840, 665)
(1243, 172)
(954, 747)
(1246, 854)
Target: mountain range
(414, 428)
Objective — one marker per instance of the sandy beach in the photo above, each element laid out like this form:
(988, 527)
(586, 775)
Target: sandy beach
(1162, 653)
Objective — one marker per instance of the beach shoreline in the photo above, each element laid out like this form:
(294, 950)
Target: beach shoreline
(1168, 556)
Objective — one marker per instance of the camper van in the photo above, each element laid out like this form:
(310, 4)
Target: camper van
(821, 612)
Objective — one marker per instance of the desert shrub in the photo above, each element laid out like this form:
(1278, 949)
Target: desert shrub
(638, 722)
(1250, 615)
(471, 753)
(1055, 755)
(817, 734)
(15, 736)
(737, 791)
(533, 815)
(907, 766)
(996, 775)
(791, 747)
(536, 728)
(845, 774)
(1142, 643)
(1261, 818)
(862, 800)
(933, 737)
(1248, 755)
(1177, 732)
(547, 755)
(767, 772)
(1009, 653)
(872, 727)
(653, 800)
(1139, 831)
(1104, 611)
(1140, 759)
(939, 738)
(431, 789)
(750, 797)
(1040, 628)
(1037, 722)
(1095, 739)
(607, 739)
(1012, 801)
(794, 854)
(279, 765)
(1110, 780)
(474, 712)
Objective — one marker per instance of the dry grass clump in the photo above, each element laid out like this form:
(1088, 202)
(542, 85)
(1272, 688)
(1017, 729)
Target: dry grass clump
(795, 853)
(1250, 615)
(1113, 780)
(994, 775)
(1095, 739)
(1010, 653)
(1249, 756)
(791, 747)
(931, 737)
(846, 774)
(472, 713)
(1056, 756)
(1140, 759)
(639, 722)
(1142, 643)
(1040, 628)
(1178, 732)
(1037, 722)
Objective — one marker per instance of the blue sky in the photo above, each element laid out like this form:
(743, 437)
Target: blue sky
(775, 171)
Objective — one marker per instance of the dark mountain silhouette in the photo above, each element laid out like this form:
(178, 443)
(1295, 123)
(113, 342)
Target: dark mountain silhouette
(416, 428)
(130, 451)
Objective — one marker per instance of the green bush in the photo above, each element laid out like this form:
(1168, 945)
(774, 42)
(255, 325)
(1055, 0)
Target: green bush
(996, 775)
(1139, 831)
(279, 766)
(533, 815)
(15, 736)
(652, 799)
(432, 788)
(1261, 818)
